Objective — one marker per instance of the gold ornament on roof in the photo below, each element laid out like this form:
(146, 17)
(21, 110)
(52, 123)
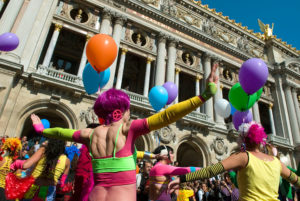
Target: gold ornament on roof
(196, 2)
(265, 28)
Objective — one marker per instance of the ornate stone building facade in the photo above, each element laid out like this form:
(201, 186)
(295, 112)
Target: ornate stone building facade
(159, 41)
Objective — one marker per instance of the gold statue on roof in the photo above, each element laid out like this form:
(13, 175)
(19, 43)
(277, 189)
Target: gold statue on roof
(265, 28)
(198, 2)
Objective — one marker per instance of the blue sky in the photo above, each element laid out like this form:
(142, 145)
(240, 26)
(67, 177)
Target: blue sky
(284, 14)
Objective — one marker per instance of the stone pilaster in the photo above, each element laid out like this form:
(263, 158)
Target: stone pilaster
(52, 45)
(171, 60)
(117, 33)
(147, 76)
(272, 119)
(121, 68)
(296, 103)
(160, 60)
(177, 71)
(207, 69)
(256, 115)
(197, 87)
(9, 16)
(83, 58)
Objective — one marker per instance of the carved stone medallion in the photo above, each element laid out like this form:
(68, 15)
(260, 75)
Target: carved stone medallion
(219, 147)
(166, 135)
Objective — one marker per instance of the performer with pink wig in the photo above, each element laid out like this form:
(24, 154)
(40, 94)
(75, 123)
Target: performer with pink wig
(112, 144)
(258, 173)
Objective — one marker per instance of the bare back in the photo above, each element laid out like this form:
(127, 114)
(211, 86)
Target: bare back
(102, 139)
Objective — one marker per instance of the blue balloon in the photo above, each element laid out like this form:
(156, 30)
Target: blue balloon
(233, 110)
(91, 79)
(104, 77)
(158, 97)
(45, 123)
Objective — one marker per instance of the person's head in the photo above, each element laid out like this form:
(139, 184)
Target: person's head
(252, 135)
(176, 163)
(204, 187)
(165, 150)
(147, 167)
(12, 146)
(112, 105)
(24, 139)
(54, 149)
(23, 153)
(227, 178)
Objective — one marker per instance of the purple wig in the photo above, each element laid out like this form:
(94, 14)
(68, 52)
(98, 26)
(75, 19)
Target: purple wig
(108, 102)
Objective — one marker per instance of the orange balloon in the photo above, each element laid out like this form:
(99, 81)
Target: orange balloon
(101, 51)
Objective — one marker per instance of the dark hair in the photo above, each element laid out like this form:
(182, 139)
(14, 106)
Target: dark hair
(54, 150)
(93, 125)
(161, 147)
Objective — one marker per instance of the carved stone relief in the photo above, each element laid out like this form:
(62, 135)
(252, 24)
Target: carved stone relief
(225, 36)
(243, 43)
(165, 135)
(219, 147)
(294, 67)
(209, 27)
(189, 19)
(139, 37)
(169, 7)
(89, 116)
(152, 2)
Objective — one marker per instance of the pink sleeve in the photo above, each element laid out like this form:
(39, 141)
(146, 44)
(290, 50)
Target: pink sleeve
(76, 137)
(168, 170)
(139, 127)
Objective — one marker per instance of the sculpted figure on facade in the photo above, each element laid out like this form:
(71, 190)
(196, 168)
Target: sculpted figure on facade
(165, 135)
(169, 7)
(219, 147)
(209, 27)
(266, 29)
(89, 116)
(243, 43)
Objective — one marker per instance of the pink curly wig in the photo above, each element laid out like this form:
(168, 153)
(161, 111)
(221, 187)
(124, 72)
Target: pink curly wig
(108, 102)
(253, 134)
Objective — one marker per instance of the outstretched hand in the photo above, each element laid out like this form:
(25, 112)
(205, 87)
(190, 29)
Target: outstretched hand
(35, 119)
(212, 76)
(173, 185)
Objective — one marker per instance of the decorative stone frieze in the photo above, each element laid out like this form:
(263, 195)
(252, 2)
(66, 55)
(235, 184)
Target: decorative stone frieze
(89, 116)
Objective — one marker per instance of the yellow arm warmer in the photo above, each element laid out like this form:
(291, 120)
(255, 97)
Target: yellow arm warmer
(179, 110)
(145, 155)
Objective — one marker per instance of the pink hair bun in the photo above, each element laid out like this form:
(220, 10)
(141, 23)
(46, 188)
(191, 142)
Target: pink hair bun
(256, 134)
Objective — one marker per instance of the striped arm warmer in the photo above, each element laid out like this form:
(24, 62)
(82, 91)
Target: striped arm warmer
(292, 179)
(203, 173)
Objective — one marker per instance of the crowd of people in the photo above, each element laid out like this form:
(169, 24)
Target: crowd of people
(106, 168)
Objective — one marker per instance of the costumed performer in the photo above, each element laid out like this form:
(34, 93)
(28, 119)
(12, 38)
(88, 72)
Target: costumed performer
(112, 145)
(11, 147)
(258, 173)
(50, 164)
(161, 173)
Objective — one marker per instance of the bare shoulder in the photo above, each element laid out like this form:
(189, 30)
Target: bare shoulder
(126, 127)
(236, 161)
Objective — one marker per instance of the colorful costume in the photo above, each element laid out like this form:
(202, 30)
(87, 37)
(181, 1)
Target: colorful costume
(167, 170)
(37, 192)
(4, 170)
(183, 194)
(119, 169)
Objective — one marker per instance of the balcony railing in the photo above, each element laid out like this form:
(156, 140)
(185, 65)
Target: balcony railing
(59, 75)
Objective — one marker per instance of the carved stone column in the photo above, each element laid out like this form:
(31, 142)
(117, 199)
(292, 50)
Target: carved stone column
(292, 114)
(197, 87)
(121, 68)
(256, 115)
(10, 14)
(272, 119)
(117, 33)
(296, 103)
(209, 103)
(106, 21)
(26, 24)
(147, 76)
(52, 45)
(160, 60)
(171, 60)
(83, 58)
(2, 2)
(177, 71)
(218, 95)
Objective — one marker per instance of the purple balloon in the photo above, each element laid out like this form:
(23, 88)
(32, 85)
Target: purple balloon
(172, 91)
(241, 117)
(253, 75)
(8, 42)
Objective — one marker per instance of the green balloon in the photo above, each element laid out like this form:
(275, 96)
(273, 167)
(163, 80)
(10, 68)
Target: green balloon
(240, 99)
(258, 93)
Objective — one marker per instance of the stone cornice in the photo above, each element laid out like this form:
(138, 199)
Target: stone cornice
(10, 68)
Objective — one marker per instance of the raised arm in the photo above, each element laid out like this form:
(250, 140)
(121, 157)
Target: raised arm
(145, 155)
(169, 170)
(290, 176)
(179, 110)
(80, 136)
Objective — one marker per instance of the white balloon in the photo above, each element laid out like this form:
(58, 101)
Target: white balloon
(223, 108)
(284, 160)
